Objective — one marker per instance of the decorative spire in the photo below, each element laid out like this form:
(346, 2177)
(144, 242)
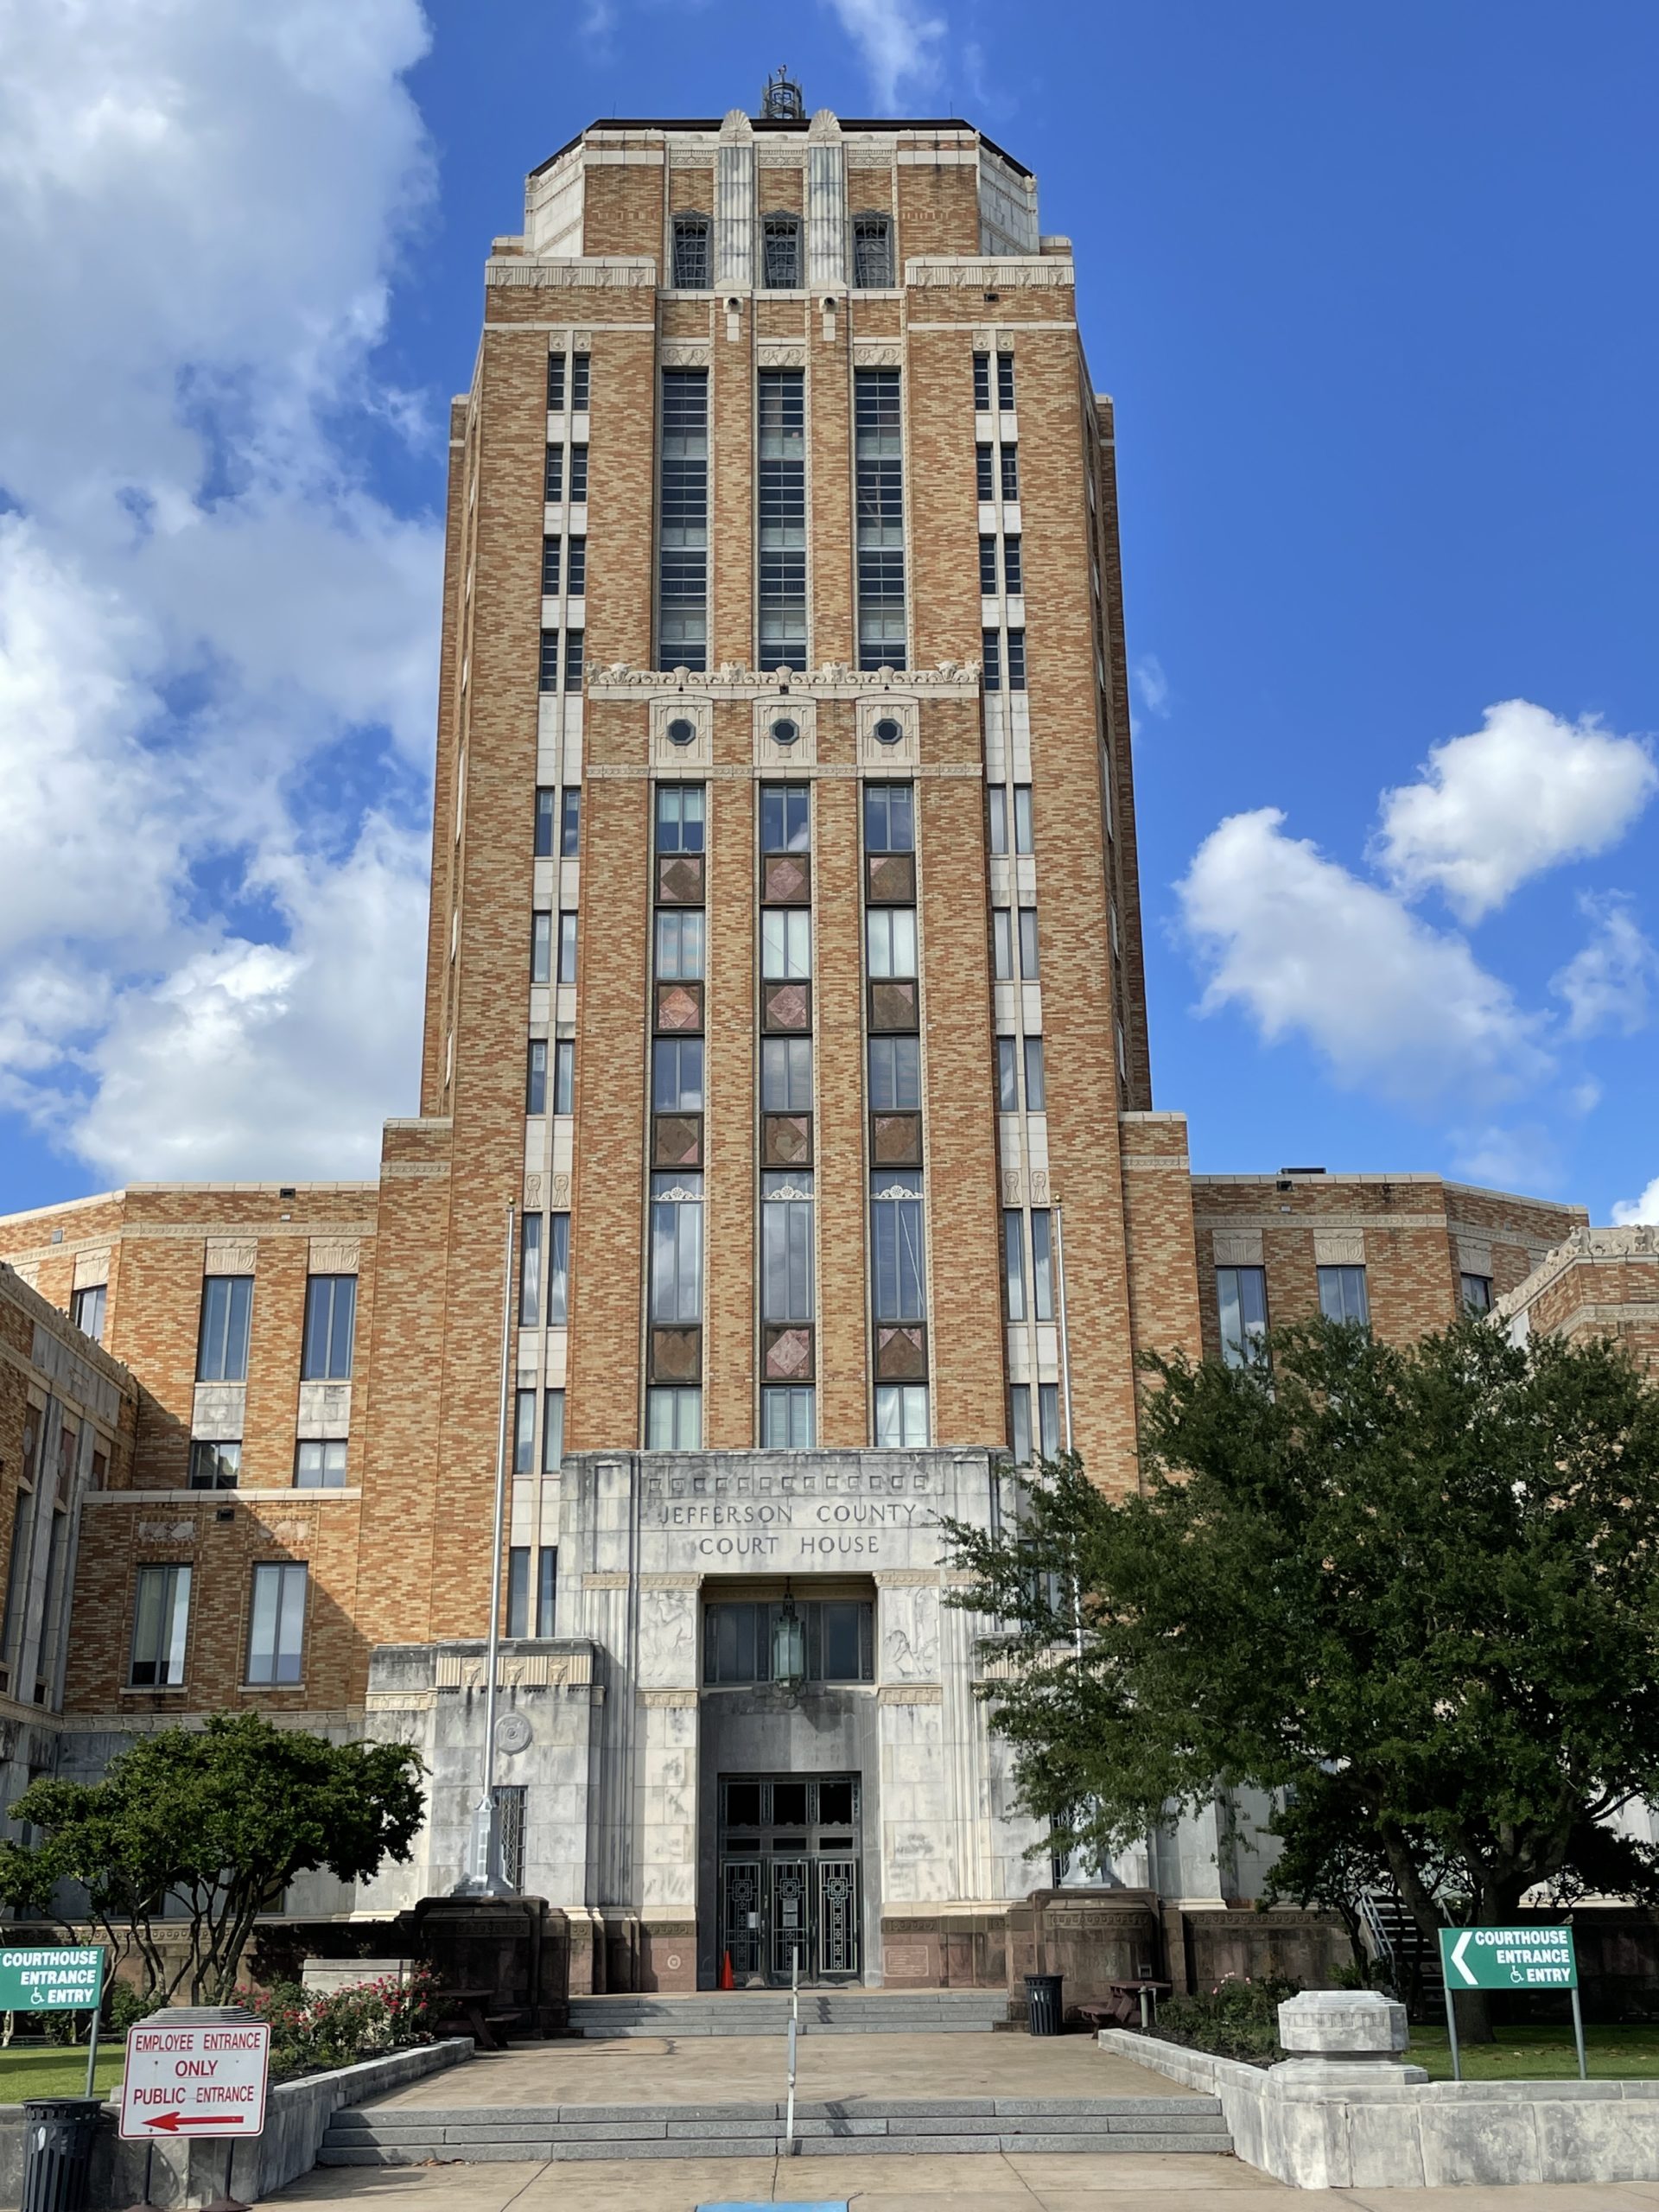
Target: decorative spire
(782, 101)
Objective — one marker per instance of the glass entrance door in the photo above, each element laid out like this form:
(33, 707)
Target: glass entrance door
(789, 1876)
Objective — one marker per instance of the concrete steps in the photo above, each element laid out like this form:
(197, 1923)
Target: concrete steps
(766, 2012)
(408, 2135)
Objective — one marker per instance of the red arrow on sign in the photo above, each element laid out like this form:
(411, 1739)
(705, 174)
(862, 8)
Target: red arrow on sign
(175, 2120)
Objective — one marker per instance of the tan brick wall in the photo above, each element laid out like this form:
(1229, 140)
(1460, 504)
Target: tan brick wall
(622, 210)
(939, 211)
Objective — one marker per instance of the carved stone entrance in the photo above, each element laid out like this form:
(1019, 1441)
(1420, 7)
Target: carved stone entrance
(789, 1876)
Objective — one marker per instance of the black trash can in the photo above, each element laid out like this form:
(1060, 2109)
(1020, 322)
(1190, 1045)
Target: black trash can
(58, 2135)
(1042, 2003)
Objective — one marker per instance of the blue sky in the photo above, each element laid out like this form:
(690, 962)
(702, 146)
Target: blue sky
(1371, 287)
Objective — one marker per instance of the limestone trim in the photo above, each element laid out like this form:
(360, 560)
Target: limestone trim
(668, 1697)
(1339, 1248)
(799, 771)
(1311, 1223)
(513, 1670)
(732, 679)
(1005, 273)
(1145, 1162)
(350, 1494)
(1604, 1317)
(226, 1256)
(910, 1693)
(659, 1581)
(605, 1581)
(1237, 1247)
(1640, 1240)
(410, 1171)
(907, 1578)
(614, 274)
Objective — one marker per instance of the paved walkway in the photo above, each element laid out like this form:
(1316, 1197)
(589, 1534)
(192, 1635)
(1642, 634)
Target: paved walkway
(735, 2069)
(1049, 2182)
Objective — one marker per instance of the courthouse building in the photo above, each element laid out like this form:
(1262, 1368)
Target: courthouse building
(785, 980)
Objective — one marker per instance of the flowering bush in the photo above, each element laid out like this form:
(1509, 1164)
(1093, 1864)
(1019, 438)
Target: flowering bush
(311, 2030)
(1238, 2018)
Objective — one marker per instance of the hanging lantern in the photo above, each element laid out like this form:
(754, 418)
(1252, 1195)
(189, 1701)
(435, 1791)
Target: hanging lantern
(788, 1645)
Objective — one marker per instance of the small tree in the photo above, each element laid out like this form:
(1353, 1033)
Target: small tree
(216, 1821)
(1414, 1593)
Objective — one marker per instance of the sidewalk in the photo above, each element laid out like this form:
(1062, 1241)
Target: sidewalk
(988, 2184)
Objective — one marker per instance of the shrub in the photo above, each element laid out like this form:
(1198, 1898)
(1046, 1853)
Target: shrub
(1238, 2018)
(311, 2031)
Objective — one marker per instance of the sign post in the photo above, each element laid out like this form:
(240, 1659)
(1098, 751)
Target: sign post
(197, 2078)
(55, 1978)
(1509, 1958)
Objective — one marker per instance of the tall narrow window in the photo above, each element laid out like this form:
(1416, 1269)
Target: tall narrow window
(788, 1419)
(872, 252)
(786, 818)
(519, 1590)
(782, 494)
(1005, 382)
(524, 1432)
(786, 1075)
(679, 944)
(895, 1074)
(781, 240)
(1010, 476)
(1028, 967)
(277, 1623)
(547, 670)
(553, 475)
(558, 1270)
(568, 945)
(692, 253)
(575, 641)
(580, 365)
(541, 947)
(985, 470)
(330, 1325)
(890, 941)
(87, 1310)
(1007, 1075)
(570, 823)
(1002, 943)
(786, 1246)
(575, 567)
(679, 817)
(900, 1416)
(674, 1419)
(1013, 568)
(990, 655)
(997, 798)
(160, 1620)
(982, 383)
(1019, 1423)
(556, 384)
(987, 563)
(1016, 659)
(683, 559)
(551, 549)
(547, 799)
(529, 1271)
(1476, 1292)
(1343, 1297)
(226, 1325)
(896, 1264)
(785, 943)
(1013, 1264)
(1242, 1304)
(1022, 839)
(1048, 1419)
(1042, 1264)
(552, 1431)
(564, 1075)
(547, 1583)
(889, 818)
(677, 1075)
(578, 474)
(1036, 1086)
(676, 1248)
(879, 469)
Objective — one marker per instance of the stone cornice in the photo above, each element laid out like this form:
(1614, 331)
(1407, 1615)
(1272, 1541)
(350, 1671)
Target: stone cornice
(732, 680)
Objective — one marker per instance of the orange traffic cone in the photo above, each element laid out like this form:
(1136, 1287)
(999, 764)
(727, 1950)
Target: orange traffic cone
(727, 1979)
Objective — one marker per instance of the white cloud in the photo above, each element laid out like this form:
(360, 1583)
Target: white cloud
(899, 42)
(1609, 984)
(1526, 792)
(1627, 1212)
(204, 611)
(1151, 685)
(1306, 948)
(1524, 1159)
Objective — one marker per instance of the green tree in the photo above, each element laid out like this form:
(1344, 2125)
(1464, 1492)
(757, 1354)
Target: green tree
(1413, 1593)
(203, 1828)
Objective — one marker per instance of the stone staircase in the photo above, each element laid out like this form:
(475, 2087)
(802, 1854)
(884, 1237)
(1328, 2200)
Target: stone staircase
(412, 2134)
(766, 2012)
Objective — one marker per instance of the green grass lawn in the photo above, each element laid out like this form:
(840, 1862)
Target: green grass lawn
(59, 2071)
(1628, 2052)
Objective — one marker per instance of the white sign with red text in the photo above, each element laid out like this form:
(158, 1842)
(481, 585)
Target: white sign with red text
(197, 2081)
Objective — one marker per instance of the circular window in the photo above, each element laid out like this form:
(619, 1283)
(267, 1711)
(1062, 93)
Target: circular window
(681, 731)
(785, 729)
(888, 731)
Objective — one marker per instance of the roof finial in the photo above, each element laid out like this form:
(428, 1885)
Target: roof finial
(782, 101)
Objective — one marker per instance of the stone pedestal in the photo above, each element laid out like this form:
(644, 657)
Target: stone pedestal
(1343, 2038)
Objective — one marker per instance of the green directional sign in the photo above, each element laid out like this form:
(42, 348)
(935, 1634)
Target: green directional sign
(55, 1979)
(1508, 1958)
